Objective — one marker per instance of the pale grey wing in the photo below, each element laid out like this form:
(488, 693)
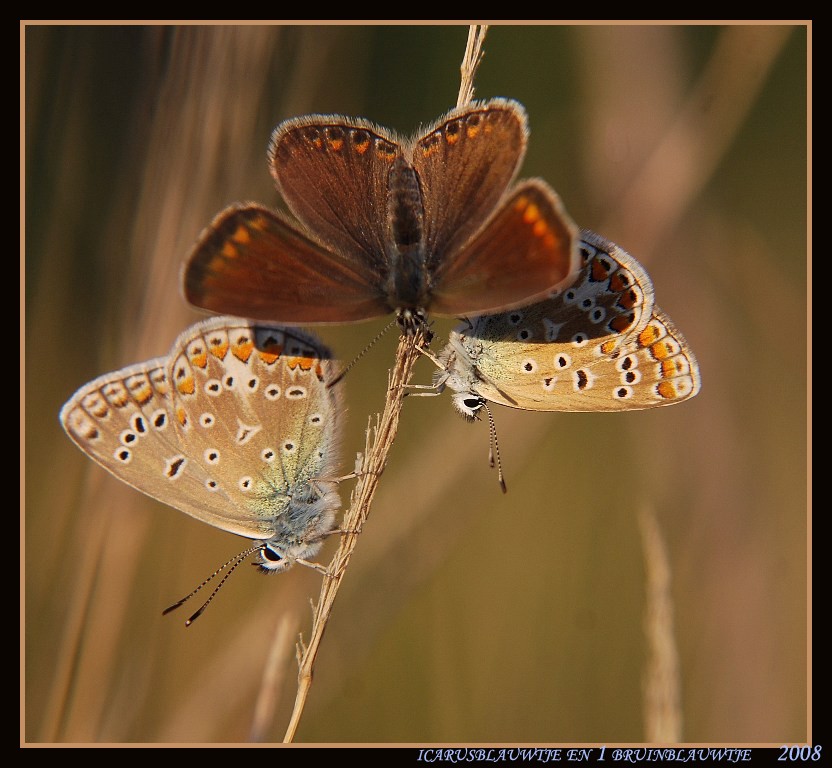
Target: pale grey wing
(616, 280)
(124, 420)
(599, 345)
(652, 368)
(314, 420)
(665, 368)
(251, 403)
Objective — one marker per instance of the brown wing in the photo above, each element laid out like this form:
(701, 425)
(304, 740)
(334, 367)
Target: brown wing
(525, 251)
(465, 163)
(251, 262)
(333, 175)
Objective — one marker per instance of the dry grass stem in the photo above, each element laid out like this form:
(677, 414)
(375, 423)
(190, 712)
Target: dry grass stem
(470, 62)
(662, 696)
(379, 441)
(273, 674)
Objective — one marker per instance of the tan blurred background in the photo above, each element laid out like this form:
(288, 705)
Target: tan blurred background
(466, 616)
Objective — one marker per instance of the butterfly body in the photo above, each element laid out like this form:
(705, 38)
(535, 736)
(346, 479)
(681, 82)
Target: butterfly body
(236, 427)
(601, 344)
(382, 224)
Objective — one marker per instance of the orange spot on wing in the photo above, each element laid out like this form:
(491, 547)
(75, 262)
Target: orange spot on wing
(181, 415)
(429, 145)
(661, 350)
(618, 283)
(219, 350)
(531, 214)
(199, 360)
(385, 150)
(271, 355)
(142, 392)
(242, 351)
(259, 222)
(241, 235)
(608, 346)
(669, 368)
(666, 390)
(186, 385)
(229, 250)
(648, 336)
(304, 363)
(598, 272)
(628, 300)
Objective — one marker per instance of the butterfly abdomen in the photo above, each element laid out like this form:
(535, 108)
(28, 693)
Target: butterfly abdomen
(406, 287)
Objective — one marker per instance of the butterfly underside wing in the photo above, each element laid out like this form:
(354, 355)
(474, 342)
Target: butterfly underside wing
(236, 427)
(601, 344)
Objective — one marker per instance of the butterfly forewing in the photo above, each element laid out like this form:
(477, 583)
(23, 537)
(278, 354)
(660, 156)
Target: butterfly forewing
(600, 344)
(251, 404)
(114, 417)
(125, 421)
(333, 174)
(234, 424)
(465, 164)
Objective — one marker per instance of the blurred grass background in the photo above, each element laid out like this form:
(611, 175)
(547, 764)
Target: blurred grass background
(467, 616)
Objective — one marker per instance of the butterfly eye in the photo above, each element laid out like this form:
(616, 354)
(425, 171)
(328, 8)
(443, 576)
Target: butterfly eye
(271, 561)
(270, 555)
(468, 404)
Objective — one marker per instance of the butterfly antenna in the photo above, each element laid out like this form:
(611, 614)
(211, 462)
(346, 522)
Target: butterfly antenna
(494, 449)
(343, 371)
(233, 562)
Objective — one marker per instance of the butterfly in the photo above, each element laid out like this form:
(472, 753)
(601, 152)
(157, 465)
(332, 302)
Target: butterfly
(383, 224)
(235, 427)
(601, 344)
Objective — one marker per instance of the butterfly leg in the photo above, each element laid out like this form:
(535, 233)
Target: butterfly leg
(431, 390)
(314, 566)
